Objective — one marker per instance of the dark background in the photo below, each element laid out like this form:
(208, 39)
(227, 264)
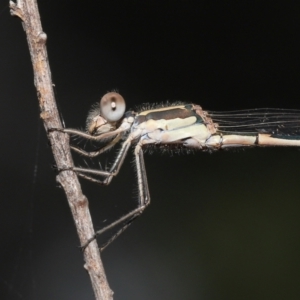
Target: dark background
(221, 226)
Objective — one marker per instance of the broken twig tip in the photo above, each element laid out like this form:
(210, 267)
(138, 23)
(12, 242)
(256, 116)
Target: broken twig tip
(15, 10)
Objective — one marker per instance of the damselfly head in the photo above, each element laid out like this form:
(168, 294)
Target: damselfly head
(104, 116)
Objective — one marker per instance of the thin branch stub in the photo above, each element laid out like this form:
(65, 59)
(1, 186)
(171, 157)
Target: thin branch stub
(15, 10)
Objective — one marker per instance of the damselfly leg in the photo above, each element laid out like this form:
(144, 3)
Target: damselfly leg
(144, 196)
(143, 200)
(101, 150)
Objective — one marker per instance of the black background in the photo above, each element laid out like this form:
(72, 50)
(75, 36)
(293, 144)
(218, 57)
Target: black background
(221, 226)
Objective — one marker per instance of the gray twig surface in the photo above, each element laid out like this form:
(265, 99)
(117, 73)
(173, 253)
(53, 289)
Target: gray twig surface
(27, 11)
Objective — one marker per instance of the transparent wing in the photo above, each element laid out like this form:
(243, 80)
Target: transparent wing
(275, 121)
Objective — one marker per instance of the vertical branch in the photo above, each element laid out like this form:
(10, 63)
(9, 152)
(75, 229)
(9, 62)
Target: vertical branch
(27, 11)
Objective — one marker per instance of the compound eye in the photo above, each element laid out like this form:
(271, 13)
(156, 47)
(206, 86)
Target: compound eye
(112, 107)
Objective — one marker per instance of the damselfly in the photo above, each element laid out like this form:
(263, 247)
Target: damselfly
(176, 126)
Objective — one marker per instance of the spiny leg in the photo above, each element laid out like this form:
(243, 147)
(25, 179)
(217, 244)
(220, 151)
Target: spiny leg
(144, 200)
(117, 163)
(114, 170)
(99, 151)
(116, 134)
(144, 197)
(94, 137)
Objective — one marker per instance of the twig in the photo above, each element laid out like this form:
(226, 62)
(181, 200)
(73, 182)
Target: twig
(27, 11)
